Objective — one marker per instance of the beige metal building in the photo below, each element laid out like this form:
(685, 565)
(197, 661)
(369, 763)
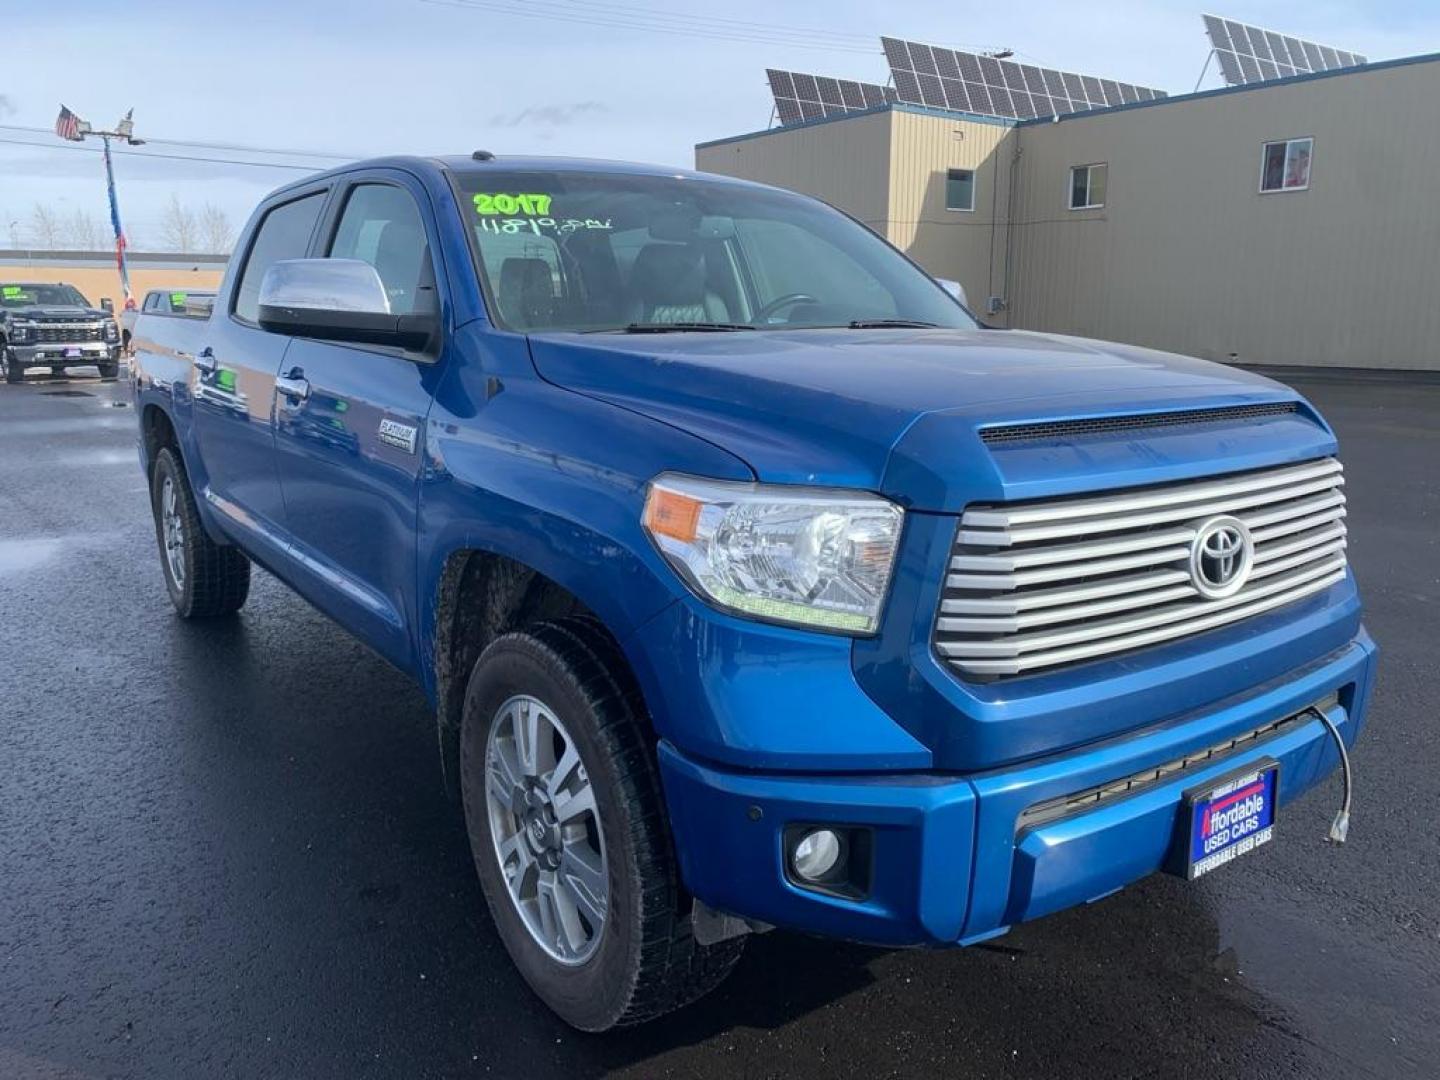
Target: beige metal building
(1150, 223)
(95, 275)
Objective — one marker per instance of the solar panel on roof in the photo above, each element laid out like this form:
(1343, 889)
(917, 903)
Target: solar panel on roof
(800, 97)
(1250, 54)
(959, 81)
(921, 58)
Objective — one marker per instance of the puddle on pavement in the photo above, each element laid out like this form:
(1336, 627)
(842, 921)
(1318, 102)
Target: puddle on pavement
(21, 555)
(96, 457)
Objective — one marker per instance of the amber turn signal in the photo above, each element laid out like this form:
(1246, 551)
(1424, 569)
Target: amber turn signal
(669, 513)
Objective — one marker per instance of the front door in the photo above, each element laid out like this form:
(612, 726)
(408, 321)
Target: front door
(350, 428)
(232, 385)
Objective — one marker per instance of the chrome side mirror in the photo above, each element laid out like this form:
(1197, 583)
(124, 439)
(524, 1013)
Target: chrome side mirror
(324, 285)
(955, 289)
(336, 300)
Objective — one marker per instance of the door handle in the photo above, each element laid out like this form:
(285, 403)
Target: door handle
(204, 361)
(294, 386)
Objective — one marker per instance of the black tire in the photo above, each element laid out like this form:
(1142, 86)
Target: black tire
(14, 373)
(109, 371)
(214, 578)
(647, 962)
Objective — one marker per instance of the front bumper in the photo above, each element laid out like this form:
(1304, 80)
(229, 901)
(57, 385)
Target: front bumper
(952, 861)
(61, 354)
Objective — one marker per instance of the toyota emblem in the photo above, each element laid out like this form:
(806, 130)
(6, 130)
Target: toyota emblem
(1221, 557)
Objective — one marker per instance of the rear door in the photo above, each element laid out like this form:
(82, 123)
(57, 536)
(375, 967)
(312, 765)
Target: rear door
(351, 445)
(233, 384)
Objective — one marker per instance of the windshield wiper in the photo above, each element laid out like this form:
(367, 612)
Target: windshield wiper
(889, 324)
(697, 327)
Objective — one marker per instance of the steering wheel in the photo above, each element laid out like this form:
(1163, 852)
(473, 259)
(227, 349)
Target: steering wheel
(788, 300)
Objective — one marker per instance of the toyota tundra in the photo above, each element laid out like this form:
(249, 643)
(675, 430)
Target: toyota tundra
(754, 583)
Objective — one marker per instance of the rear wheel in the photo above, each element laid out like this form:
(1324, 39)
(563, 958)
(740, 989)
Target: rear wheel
(569, 835)
(204, 578)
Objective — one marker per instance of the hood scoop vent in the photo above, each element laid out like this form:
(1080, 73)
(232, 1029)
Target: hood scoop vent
(1107, 425)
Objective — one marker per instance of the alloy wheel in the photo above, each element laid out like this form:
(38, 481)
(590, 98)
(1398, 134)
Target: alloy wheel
(545, 827)
(172, 528)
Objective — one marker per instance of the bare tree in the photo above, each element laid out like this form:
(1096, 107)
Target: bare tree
(177, 227)
(217, 235)
(83, 231)
(46, 230)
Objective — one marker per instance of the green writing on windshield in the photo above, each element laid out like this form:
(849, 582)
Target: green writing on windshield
(11, 292)
(501, 202)
(177, 299)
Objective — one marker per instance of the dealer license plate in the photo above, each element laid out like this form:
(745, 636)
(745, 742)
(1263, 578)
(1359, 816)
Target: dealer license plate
(1231, 817)
(72, 354)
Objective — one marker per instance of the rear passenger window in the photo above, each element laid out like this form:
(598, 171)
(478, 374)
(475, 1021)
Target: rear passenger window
(381, 226)
(284, 234)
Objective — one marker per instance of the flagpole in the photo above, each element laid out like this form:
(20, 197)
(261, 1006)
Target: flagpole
(115, 221)
(71, 127)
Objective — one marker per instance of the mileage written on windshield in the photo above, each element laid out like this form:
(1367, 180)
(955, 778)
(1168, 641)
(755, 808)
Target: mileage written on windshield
(537, 219)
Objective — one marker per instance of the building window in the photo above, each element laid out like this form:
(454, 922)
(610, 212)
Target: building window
(1087, 187)
(1285, 165)
(959, 189)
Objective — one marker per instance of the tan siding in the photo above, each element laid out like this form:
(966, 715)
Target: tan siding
(845, 162)
(1187, 255)
(966, 246)
(95, 283)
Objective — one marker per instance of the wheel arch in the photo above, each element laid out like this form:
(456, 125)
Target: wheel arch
(480, 595)
(157, 431)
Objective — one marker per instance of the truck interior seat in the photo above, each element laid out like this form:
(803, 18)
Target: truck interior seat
(668, 285)
(400, 252)
(527, 291)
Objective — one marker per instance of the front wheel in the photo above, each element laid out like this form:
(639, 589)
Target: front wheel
(14, 373)
(204, 578)
(568, 831)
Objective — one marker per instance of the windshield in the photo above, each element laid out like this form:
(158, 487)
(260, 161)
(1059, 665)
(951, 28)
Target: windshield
(13, 296)
(610, 252)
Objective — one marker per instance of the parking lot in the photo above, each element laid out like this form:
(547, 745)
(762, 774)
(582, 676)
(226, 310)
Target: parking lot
(224, 849)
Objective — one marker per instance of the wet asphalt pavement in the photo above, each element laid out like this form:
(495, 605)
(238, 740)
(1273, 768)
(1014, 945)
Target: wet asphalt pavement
(224, 850)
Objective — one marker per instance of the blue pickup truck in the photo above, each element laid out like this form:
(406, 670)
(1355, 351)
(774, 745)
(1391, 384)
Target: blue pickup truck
(753, 581)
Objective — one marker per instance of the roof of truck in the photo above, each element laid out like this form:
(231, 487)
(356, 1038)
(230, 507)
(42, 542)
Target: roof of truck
(467, 164)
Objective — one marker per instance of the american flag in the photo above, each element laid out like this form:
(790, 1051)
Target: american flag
(67, 125)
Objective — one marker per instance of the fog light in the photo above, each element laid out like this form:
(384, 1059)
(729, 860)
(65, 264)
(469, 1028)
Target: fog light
(816, 855)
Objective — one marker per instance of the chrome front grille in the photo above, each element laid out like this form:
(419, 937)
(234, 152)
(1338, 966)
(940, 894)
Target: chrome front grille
(68, 333)
(1039, 584)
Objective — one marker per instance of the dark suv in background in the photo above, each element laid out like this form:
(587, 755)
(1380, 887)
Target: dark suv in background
(54, 326)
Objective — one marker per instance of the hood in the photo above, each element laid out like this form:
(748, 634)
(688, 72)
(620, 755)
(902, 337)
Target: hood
(900, 411)
(56, 312)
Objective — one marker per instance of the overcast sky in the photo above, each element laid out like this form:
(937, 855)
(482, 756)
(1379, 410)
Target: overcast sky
(572, 77)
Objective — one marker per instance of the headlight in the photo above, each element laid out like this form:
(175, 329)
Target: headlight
(806, 556)
(20, 332)
(112, 332)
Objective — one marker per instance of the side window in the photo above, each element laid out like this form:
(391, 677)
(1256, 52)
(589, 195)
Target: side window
(381, 225)
(959, 189)
(1087, 186)
(1285, 166)
(152, 302)
(283, 234)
